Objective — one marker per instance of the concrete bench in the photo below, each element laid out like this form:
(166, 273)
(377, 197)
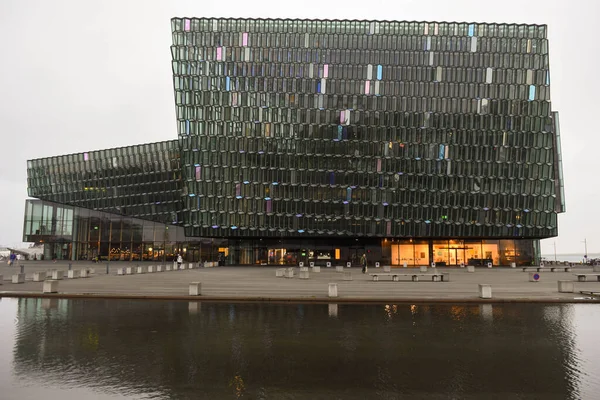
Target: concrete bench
(57, 275)
(84, 273)
(304, 274)
(552, 269)
(583, 277)
(121, 271)
(129, 270)
(280, 272)
(150, 269)
(39, 276)
(159, 268)
(50, 286)
(348, 276)
(195, 289)
(316, 269)
(72, 274)
(18, 278)
(339, 268)
(443, 277)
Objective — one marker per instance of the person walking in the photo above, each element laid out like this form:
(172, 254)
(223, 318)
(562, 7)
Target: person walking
(363, 262)
(179, 261)
(12, 258)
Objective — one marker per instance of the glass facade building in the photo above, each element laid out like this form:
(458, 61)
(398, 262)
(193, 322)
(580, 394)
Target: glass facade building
(319, 140)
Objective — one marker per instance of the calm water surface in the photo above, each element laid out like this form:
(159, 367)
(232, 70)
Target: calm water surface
(113, 349)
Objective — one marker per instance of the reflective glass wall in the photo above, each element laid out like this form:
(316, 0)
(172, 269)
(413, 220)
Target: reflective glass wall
(74, 233)
(140, 181)
(310, 128)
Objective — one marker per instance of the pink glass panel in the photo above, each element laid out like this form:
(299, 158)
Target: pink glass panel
(379, 165)
(367, 87)
(187, 24)
(86, 156)
(389, 228)
(325, 70)
(198, 170)
(342, 114)
(245, 39)
(219, 54)
(269, 206)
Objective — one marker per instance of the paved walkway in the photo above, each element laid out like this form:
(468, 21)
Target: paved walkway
(260, 283)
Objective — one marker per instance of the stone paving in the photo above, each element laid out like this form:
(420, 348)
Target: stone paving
(260, 283)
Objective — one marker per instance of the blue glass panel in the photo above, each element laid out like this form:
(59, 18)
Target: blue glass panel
(227, 83)
(187, 127)
(531, 92)
(471, 29)
(441, 152)
(348, 194)
(379, 72)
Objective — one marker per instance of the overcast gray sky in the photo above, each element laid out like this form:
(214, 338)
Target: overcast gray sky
(77, 75)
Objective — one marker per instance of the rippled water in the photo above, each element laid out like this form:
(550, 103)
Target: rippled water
(114, 349)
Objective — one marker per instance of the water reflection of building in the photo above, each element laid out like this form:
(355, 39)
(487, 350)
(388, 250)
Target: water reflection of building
(267, 350)
(322, 140)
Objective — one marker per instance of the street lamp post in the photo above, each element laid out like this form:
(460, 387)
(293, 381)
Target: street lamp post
(585, 256)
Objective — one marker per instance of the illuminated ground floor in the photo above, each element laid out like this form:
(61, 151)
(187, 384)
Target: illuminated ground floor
(72, 233)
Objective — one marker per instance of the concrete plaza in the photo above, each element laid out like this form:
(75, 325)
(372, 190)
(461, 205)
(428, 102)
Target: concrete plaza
(260, 283)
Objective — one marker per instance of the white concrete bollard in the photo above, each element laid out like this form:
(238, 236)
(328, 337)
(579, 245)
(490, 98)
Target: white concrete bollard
(347, 276)
(18, 278)
(376, 265)
(404, 264)
(39, 276)
(279, 272)
(195, 289)
(190, 265)
(387, 268)
(328, 264)
(301, 264)
(289, 273)
(485, 291)
(432, 265)
(566, 287)
(303, 269)
(92, 271)
(50, 286)
(150, 269)
(174, 265)
(339, 268)
(140, 270)
(304, 274)
(423, 269)
(462, 264)
(129, 271)
(534, 277)
(316, 269)
(311, 264)
(513, 265)
(121, 271)
(333, 292)
(169, 268)
(84, 273)
(57, 275)
(348, 265)
(470, 268)
(489, 265)
(72, 274)
(159, 268)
